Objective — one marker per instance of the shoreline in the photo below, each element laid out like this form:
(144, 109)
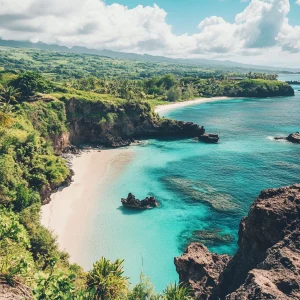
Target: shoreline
(68, 214)
(175, 105)
(70, 209)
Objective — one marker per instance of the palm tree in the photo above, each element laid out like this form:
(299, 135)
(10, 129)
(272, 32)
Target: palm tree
(106, 280)
(177, 292)
(9, 94)
(5, 114)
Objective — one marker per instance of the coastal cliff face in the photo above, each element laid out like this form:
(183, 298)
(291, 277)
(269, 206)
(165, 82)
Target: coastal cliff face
(59, 124)
(116, 125)
(267, 263)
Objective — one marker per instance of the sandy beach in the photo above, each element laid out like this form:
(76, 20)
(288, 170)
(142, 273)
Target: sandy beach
(167, 107)
(70, 209)
(68, 212)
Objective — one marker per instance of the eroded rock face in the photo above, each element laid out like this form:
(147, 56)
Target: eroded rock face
(267, 263)
(200, 269)
(61, 142)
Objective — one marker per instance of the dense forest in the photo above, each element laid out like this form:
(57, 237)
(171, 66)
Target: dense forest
(35, 87)
(63, 65)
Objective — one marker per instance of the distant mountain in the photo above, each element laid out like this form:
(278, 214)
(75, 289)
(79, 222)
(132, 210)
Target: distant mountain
(145, 57)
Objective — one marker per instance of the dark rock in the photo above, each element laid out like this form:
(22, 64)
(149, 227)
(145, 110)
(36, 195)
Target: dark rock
(71, 149)
(294, 138)
(200, 269)
(132, 202)
(267, 263)
(209, 138)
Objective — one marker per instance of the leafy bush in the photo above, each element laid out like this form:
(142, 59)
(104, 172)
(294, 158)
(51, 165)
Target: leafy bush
(55, 285)
(29, 83)
(177, 292)
(106, 281)
(143, 290)
(15, 259)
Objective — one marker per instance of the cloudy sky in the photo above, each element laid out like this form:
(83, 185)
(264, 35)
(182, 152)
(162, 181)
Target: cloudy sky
(250, 31)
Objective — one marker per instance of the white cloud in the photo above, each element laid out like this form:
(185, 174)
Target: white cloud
(298, 2)
(94, 24)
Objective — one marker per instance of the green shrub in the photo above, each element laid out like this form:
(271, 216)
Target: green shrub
(143, 290)
(29, 83)
(106, 281)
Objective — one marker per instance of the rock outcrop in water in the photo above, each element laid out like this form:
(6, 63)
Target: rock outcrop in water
(132, 202)
(293, 138)
(267, 263)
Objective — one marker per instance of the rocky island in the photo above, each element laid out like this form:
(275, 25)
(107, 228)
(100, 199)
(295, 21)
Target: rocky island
(132, 202)
(267, 263)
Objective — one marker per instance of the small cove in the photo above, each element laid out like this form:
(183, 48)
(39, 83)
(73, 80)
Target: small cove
(201, 187)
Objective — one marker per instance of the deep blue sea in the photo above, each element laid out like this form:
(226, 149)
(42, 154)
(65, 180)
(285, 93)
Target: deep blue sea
(201, 187)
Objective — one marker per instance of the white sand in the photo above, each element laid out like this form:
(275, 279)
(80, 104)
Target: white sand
(167, 107)
(68, 212)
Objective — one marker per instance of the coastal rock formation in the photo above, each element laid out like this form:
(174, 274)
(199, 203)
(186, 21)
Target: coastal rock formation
(61, 142)
(267, 263)
(99, 122)
(132, 202)
(200, 269)
(47, 190)
(209, 138)
(293, 138)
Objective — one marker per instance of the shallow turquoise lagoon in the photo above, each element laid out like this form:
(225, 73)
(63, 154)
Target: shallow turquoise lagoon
(200, 186)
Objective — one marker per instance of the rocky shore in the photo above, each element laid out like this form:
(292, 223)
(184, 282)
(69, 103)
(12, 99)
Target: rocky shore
(267, 263)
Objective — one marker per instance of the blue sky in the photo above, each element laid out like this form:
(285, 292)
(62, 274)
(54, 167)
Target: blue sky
(185, 15)
(265, 32)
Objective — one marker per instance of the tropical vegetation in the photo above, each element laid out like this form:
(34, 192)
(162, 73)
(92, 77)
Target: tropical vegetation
(35, 87)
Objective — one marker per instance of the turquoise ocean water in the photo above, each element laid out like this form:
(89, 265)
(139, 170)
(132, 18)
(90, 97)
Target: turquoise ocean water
(200, 186)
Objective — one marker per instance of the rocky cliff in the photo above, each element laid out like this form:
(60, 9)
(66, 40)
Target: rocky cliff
(113, 125)
(267, 263)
